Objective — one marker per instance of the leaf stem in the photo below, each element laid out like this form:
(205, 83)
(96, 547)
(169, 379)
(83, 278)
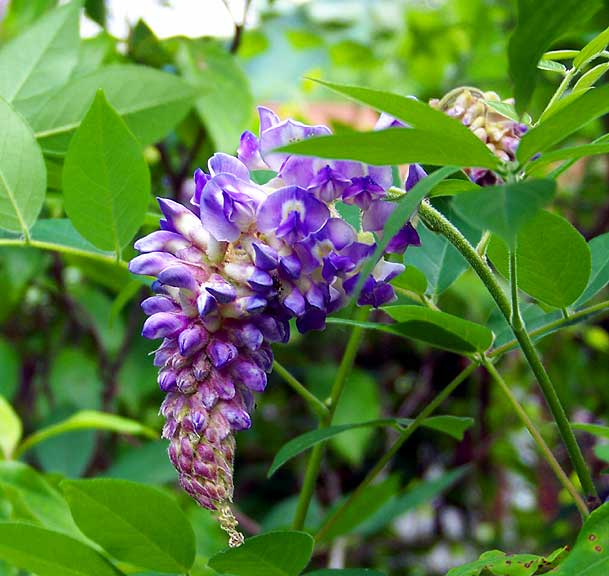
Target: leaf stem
(543, 447)
(600, 308)
(314, 463)
(386, 458)
(318, 407)
(436, 221)
(566, 81)
(517, 322)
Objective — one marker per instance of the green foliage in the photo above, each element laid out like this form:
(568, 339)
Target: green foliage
(440, 329)
(503, 210)
(599, 276)
(10, 429)
(22, 173)
(540, 23)
(133, 522)
(451, 425)
(224, 102)
(49, 553)
(104, 158)
(281, 553)
(553, 260)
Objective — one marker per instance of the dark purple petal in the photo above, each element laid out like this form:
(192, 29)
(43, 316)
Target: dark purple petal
(238, 418)
(362, 192)
(260, 281)
(265, 257)
(375, 217)
(206, 304)
(407, 236)
(313, 319)
(221, 353)
(249, 151)
(290, 265)
(178, 276)
(295, 302)
(328, 184)
(152, 263)
(201, 179)
(156, 304)
(223, 291)
(387, 121)
(249, 374)
(192, 340)
(167, 380)
(415, 175)
(292, 214)
(164, 325)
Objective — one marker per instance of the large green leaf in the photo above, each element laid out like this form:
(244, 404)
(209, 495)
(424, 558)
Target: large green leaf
(281, 553)
(589, 555)
(594, 429)
(553, 260)
(452, 425)
(564, 122)
(540, 23)
(50, 553)
(133, 522)
(440, 329)
(88, 420)
(225, 102)
(344, 572)
(9, 369)
(422, 116)
(599, 276)
(592, 49)
(151, 103)
(41, 58)
(10, 429)
(35, 499)
(106, 182)
(22, 172)
(506, 208)
(147, 463)
(394, 146)
(497, 563)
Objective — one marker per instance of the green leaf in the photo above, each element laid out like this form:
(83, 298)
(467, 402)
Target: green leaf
(393, 146)
(440, 329)
(506, 208)
(423, 117)
(49, 553)
(599, 276)
(41, 58)
(147, 463)
(553, 260)
(592, 49)
(364, 505)
(133, 522)
(344, 572)
(9, 369)
(411, 279)
(590, 77)
(569, 153)
(410, 499)
(405, 208)
(540, 23)
(151, 103)
(88, 420)
(452, 425)
(359, 402)
(281, 553)
(589, 555)
(560, 54)
(453, 186)
(105, 159)
(22, 172)
(10, 429)
(564, 122)
(35, 498)
(552, 66)
(503, 108)
(497, 563)
(225, 102)
(594, 429)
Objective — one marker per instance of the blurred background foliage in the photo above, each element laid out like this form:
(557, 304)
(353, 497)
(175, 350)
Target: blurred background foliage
(69, 329)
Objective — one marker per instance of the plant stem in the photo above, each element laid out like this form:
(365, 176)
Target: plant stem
(314, 463)
(436, 221)
(566, 81)
(517, 322)
(574, 318)
(386, 458)
(543, 447)
(318, 407)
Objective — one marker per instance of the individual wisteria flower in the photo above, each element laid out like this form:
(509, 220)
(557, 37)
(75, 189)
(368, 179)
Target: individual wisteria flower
(499, 133)
(235, 267)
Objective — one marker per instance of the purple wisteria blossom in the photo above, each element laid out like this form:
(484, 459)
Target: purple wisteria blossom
(234, 268)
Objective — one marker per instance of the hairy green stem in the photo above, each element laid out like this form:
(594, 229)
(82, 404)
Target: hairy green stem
(386, 458)
(314, 463)
(543, 447)
(318, 407)
(566, 81)
(436, 221)
(517, 322)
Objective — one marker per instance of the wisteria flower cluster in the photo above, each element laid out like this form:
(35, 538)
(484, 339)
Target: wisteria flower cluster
(498, 132)
(234, 268)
